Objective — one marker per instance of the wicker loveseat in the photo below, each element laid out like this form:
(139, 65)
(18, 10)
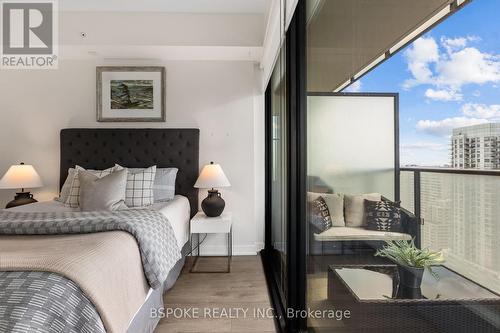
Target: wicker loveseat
(345, 239)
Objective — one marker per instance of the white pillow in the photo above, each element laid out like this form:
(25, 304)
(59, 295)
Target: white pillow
(73, 199)
(164, 184)
(355, 208)
(139, 192)
(335, 203)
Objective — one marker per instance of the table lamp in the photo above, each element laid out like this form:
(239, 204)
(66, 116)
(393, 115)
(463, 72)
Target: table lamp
(21, 176)
(211, 177)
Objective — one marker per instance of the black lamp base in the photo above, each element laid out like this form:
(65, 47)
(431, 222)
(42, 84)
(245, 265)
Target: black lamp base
(213, 205)
(21, 198)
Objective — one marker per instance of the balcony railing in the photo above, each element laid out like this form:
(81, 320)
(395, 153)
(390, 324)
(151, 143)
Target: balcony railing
(459, 210)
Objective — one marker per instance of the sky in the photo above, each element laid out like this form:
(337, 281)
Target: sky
(448, 78)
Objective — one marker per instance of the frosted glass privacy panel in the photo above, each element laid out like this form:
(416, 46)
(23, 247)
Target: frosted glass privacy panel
(351, 142)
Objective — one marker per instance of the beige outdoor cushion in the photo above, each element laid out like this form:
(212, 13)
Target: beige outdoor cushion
(358, 234)
(355, 208)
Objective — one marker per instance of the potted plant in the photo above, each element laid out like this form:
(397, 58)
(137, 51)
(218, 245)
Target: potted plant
(411, 261)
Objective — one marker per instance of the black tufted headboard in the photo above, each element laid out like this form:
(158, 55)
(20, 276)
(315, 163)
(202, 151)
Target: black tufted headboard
(135, 148)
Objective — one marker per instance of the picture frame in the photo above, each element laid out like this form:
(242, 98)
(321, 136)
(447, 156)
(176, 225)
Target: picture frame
(130, 93)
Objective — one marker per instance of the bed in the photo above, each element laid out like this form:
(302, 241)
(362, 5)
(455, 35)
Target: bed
(90, 265)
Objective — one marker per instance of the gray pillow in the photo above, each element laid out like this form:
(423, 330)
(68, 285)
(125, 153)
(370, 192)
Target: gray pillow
(164, 184)
(106, 193)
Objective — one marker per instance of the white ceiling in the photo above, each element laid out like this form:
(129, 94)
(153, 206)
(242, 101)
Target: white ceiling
(171, 6)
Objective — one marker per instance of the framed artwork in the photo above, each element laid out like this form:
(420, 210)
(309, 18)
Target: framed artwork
(134, 94)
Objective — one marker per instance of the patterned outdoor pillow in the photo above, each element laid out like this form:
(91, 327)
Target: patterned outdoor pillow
(335, 203)
(73, 199)
(382, 216)
(139, 192)
(320, 215)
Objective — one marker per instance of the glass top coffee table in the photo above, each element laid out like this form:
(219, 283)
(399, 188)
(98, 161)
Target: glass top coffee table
(384, 284)
(452, 302)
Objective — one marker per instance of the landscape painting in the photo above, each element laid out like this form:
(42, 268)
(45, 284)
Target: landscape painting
(132, 94)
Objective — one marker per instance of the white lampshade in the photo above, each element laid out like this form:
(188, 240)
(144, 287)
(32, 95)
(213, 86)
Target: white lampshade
(21, 176)
(212, 176)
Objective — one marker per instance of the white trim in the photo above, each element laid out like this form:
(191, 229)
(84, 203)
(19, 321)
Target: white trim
(442, 13)
(273, 40)
(290, 9)
(280, 16)
(223, 53)
(370, 66)
(342, 86)
(238, 250)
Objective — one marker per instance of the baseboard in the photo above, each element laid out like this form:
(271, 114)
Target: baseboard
(238, 250)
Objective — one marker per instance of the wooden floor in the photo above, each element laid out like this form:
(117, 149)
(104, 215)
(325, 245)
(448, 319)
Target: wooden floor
(219, 302)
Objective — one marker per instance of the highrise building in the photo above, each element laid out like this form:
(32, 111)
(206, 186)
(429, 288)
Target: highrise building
(476, 147)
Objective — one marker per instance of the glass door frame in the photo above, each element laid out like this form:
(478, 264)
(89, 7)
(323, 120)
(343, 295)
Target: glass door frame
(296, 108)
(296, 105)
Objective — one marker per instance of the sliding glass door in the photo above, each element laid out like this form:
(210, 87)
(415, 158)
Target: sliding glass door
(333, 160)
(279, 170)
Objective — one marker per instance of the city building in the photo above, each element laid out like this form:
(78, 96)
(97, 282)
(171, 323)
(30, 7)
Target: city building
(476, 147)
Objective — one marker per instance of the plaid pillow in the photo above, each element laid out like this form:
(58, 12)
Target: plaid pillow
(73, 199)
(164, 185)
(320, 215)
(66, 188)
(382, 216)
(139, 192)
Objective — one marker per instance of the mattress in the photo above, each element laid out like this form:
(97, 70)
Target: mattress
(177, 211)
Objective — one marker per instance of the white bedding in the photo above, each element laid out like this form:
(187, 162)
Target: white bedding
(176, 210)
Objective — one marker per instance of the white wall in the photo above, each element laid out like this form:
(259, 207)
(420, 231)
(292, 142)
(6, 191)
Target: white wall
(223, 99)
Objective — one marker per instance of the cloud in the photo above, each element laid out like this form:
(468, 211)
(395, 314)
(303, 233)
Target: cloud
(423, 52)
(453, 43)
(443, 95)
(482, 111)
(444, 127)
(354, 87)
(424, 153)
(424, 146)
(468, 66)
(450, 65)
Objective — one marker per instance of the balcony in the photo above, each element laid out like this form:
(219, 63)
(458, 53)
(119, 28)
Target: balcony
(460, 213)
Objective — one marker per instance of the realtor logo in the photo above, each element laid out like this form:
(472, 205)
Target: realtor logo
(29, 34)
